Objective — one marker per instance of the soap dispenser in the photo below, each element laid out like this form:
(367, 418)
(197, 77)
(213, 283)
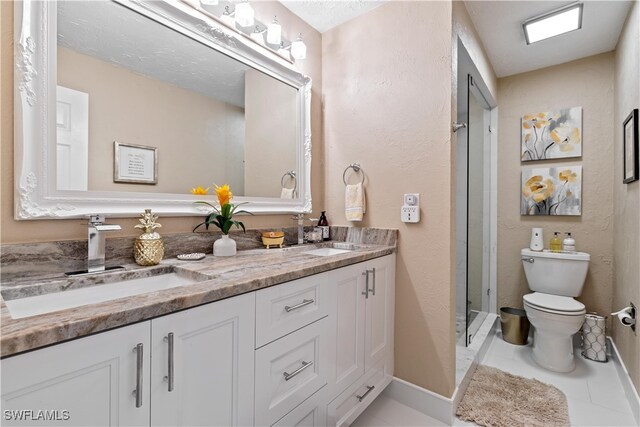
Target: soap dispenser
(323, 224)
(555, 244)
(568, 244)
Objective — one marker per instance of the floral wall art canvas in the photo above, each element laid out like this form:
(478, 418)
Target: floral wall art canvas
(552, 191)
(552, 135)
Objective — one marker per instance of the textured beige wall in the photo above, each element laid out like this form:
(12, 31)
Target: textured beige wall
(387, 105)
(588, 83)
(270, 145)
(200, 140)
(12, 231)
(463, 28)
(626, 197)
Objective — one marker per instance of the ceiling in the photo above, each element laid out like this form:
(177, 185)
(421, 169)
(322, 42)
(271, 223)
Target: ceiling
(113, 33)
(499, 25)
(323, 15)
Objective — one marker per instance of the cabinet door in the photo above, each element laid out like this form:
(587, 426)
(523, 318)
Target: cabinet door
(347, 286)
(212, 365)
(380, 310)
(86, 382)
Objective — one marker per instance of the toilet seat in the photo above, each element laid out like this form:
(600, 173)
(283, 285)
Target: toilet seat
(554, 304)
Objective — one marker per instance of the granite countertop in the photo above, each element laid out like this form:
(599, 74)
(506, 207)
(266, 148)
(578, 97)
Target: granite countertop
(217, 278)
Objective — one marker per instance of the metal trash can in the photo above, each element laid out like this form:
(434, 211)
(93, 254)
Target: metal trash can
(515, 325)
(594, 340)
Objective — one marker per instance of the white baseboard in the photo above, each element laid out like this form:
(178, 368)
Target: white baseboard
(625, 379)
(435, 405)
(422, 400)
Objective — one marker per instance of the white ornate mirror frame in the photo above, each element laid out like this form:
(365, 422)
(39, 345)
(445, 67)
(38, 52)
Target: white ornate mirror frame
(36, 196)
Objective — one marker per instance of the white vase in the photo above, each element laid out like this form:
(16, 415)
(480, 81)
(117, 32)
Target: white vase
(224, 246)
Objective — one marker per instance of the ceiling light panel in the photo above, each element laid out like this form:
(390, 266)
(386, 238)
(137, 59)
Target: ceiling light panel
(554, 23)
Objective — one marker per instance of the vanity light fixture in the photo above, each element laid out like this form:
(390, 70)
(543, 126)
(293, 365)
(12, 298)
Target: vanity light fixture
(274, 32)
(245, 14)
(559, 21)
(227, 17)
(284, 50)
(298, 48)
(257, 35)
(209, 2)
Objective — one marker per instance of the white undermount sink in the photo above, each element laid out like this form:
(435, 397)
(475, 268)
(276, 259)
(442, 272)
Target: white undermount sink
(327, 251)
(47, 303)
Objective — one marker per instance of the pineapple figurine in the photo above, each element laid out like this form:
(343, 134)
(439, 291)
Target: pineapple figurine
(148, 248)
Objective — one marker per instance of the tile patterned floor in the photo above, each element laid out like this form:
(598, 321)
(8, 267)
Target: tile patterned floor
(594, 392)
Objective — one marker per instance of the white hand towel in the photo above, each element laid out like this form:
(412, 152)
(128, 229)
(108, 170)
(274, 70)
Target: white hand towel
(286, 193)
(355, 204)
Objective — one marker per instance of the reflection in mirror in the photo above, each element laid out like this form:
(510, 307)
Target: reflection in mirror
(123, 77)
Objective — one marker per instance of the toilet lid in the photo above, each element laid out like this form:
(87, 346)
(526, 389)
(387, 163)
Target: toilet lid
(553, 302)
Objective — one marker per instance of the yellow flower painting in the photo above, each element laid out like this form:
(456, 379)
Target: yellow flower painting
(551, 191)
(552, 135)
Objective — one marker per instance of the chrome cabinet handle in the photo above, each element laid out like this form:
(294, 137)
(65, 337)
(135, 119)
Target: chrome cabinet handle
(297, 306)
(304, 366)
(170, 378)
(530, 260)
(366, 284)
(369, 390)
(138, 349)
(373, 289)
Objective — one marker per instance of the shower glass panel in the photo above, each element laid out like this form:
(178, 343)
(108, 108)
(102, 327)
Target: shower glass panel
(473, 215)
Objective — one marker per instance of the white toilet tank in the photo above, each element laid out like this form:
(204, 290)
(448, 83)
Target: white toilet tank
(555, 273)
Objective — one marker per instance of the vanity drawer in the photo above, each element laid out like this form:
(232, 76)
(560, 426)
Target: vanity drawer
(345, 408)
(310, 413)
(282, 309)
(290, 370)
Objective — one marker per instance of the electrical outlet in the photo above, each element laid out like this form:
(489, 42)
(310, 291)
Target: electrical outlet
(410, 214)
(410, 211)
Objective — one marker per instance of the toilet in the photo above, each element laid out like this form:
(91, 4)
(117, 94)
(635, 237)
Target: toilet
(555, 279)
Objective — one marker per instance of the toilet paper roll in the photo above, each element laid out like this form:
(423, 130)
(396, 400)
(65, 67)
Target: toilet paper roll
(625, 318)
(594, 341)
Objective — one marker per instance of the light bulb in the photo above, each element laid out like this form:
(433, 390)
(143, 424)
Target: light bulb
(257, 35)
(209, 2)
(227, 17)
(274, 32)
(245, 14)
(298, 48)
(282, 51)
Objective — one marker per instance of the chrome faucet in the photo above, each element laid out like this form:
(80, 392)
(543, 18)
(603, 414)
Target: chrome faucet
(300, 219)
(96, 244)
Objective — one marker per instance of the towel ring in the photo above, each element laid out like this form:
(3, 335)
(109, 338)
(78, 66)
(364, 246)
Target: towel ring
(356, 168)
(291, 174)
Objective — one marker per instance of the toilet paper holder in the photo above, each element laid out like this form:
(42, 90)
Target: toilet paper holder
(627, 316)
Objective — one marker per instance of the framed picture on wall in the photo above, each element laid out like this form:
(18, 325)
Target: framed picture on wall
(135, 164)
(630, 148)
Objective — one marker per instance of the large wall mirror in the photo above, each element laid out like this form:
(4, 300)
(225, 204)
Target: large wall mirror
(125, 105)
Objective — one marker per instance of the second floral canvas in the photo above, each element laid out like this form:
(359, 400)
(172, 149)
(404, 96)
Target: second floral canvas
(552, 135)
(552, 191)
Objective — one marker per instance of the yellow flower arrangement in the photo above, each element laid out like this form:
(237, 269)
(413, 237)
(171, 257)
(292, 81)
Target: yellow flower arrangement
(199, 191)
(222, 214)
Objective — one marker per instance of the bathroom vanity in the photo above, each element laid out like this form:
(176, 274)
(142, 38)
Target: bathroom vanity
(269, 337)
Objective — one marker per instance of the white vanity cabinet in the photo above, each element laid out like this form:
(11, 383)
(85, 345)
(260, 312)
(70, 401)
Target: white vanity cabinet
(95, 378)
(310, 352)
(365, 301)
(202, 365)
(100, 380)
